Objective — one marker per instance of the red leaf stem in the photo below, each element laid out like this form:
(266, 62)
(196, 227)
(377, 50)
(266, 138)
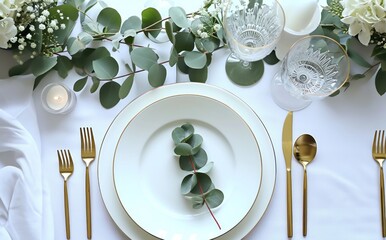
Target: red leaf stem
(202, 194)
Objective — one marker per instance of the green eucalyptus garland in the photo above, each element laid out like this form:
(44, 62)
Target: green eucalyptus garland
(192, 37)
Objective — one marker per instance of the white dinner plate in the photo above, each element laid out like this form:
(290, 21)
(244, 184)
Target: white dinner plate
(147, 175)
(111, 138)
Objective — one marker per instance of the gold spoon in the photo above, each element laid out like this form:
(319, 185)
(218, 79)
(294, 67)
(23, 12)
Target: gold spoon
(304, 152)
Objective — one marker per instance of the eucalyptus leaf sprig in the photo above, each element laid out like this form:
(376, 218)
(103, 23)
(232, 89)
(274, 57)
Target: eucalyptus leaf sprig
(197, 185)
(192, 38)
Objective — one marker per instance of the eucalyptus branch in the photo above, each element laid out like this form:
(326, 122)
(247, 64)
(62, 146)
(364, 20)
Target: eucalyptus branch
(193, 158)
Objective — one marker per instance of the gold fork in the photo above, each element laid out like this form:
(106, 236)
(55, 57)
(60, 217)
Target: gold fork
(379, 155)
(66, 168)
(88, 153)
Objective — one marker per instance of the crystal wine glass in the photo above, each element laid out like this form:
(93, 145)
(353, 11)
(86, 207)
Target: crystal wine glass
(252, 28)
(315, 67)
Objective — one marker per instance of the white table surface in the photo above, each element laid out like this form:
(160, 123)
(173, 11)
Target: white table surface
(343, 181)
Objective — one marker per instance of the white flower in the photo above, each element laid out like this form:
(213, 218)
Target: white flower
(362, 16)
(21, 47)
(217, 27)
(9, 7)
(204, 35)
(42, 26)
(46, 13)
(50, 30)
(33, 45)
(8, 30)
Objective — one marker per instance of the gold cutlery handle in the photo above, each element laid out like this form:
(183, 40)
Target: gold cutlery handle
(382, 190)
(289, 204)
(88, 204)
(305, 203)
(66, 211)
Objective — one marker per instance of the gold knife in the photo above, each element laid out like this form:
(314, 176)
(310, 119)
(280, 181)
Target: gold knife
(287, 151)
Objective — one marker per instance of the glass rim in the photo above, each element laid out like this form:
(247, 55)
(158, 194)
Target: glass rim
(247, 47)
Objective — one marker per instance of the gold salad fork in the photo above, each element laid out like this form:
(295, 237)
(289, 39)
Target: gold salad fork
(379, 155)
(88, 153)
(66, 168)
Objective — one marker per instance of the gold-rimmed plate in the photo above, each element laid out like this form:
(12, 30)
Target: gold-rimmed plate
(105, 163)
(147, 176)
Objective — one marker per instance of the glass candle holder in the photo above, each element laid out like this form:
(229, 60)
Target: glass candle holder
(57, 98)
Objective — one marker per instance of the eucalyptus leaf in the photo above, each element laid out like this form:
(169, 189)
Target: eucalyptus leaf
(63, 66)
(199, 160)
(20, 69)
(183, 149)
(126, 86)
(144, 57)
(206, 167)
(90, 56)
(195, 142)
(380, 82)
(157, 75)
(182, 66)
(207, 44)
(151, 22)
(42, 64)
(198, 75)
(95, 84)
(204, 184)
(79, 84)
(197, 202)
(188, 183)
(182, 134)
(173, 59)
(110, 19)
(169, 31)
(195, 60)
(178, 15)
(214, 198)
(109, 94)
(132, 23)
(184, 41)
(357, 58)
(105, 67)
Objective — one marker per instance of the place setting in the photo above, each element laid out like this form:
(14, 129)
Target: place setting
(246, 146)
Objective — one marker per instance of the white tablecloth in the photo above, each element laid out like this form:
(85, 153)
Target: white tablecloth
(343, 181)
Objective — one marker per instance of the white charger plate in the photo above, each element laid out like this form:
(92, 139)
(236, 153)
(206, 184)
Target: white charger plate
(147, 176)
(105, 163)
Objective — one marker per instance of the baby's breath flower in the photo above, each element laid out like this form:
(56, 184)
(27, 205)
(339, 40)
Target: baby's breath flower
(46, 13)
(204, 35)
(62, 26)
(21, 47)
(33, 45)
(21, 28)
(217, 27)
(29, 36)
(32, 28)
(50, 30)
(42, 26)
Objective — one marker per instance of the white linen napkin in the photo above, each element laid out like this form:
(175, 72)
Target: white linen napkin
(25, 209)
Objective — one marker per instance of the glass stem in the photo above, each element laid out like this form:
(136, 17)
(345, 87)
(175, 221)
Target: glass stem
(245, 64)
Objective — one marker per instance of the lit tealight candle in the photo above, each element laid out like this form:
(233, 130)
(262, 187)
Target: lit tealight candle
(57, 98)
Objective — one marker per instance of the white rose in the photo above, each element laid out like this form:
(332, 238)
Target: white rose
(8, 7)
(7, 31)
